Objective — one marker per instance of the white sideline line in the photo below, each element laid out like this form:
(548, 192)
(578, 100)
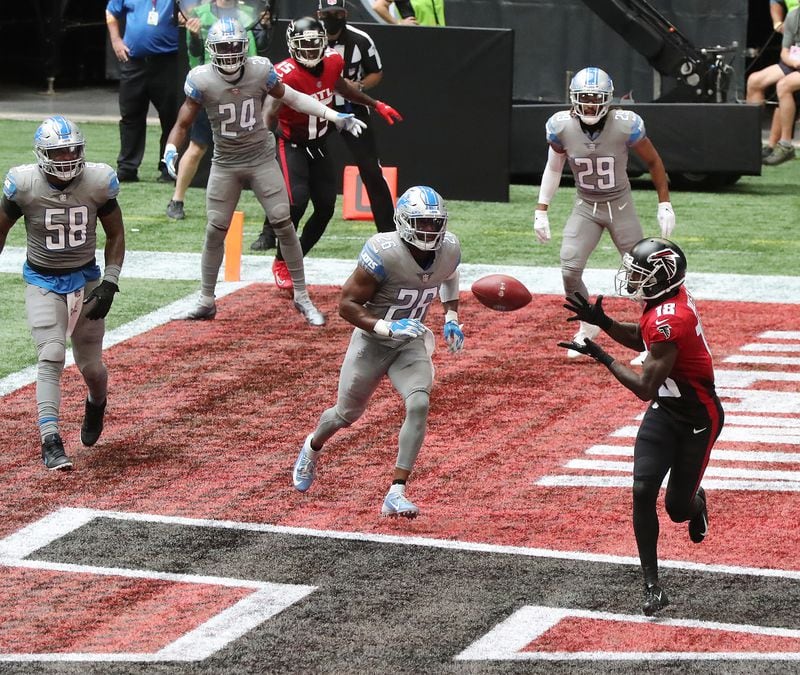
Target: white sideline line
(430, 542)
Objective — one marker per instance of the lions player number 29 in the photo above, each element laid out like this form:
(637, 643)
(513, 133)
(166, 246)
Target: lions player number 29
(66, 232)
(602, 167)
(414, 303)
(246, 117)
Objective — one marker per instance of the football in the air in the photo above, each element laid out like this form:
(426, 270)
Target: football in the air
(501, 292)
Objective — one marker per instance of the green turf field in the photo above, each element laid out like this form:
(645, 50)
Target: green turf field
(751, 228)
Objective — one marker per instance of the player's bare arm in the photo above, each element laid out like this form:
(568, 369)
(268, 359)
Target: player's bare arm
(359, 289)
(5, 222)
(655, 371)
(114, 251)
(186, 116)
(352, 93)
(649, 155)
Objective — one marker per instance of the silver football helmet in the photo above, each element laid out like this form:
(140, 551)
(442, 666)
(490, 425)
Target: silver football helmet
(654, 267)
(59, 147)
(307, 41)
(227, 44)
(421, 217)
(590, 93)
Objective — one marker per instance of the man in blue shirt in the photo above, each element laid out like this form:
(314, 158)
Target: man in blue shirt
(148, 56)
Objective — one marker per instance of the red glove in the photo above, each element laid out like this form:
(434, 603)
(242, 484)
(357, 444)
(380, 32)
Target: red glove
(388, 113)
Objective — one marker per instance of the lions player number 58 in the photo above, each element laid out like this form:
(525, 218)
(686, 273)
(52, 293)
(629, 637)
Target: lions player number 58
(63, 236)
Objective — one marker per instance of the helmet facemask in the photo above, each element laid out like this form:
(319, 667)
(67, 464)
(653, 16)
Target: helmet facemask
(227, 44)
(59, 148)
(307, 47)
(662, 273)
(421, 218)
(591, 92)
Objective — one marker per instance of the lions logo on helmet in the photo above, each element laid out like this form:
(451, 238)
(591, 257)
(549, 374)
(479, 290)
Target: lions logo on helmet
(421, 217)
(59, 147)
(653, 268)
(590, 93)
(227, 44)
(307, 41)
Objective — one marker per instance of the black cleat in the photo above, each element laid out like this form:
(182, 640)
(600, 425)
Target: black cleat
(655, 599)
(265, 241)
(92, 425)
(175, 210)
(53, 453)
(698, 526)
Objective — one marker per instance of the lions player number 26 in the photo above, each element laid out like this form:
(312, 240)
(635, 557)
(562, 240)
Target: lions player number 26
(66, 232)
(246, 117)
(413, 303)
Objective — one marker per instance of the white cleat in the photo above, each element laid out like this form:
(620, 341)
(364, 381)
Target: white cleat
(397, 504)
(587, 331)
(309, 312)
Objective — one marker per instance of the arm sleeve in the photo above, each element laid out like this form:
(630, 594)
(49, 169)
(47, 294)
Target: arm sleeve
(305, 104)
(448, 289)
(551, 177)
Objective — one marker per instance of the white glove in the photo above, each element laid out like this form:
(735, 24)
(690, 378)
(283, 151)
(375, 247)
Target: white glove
(666, 219)
(349, 122)
(401, 329)
(541, 226)
(171, 160)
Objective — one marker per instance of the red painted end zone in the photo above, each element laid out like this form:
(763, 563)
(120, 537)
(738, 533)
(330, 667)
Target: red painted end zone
(205, 420)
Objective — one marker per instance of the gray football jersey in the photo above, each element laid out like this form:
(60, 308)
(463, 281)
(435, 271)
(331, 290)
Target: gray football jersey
(61, 225)
(235, 111)
(405, 290)
(599, 163)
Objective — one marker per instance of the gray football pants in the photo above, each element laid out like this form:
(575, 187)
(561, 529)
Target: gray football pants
(366, 362)
(582, 234)
(47, 320)
(225, 184)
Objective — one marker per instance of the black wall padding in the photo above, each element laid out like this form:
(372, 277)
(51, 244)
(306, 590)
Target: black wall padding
(558, 37)
(690, 137)
(453, 88)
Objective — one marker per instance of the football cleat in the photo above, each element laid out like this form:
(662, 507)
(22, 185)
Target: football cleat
(53, 454)
(92, 425)
(200, 313)
(655, 599)
(587, 331)
(265, 241)
(283, 279)
(397, 504)
(305, 467)
(698, 526)
(175, 210)
(309, 312)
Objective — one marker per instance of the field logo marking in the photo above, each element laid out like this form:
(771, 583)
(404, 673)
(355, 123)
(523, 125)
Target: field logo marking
(515, 639)
(264, 601)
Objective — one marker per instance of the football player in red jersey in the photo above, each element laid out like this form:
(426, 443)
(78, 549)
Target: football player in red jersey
(307, 168)
(685, 417)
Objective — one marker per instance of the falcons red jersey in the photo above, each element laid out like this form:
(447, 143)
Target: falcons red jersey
(691, 382)
(298, 127)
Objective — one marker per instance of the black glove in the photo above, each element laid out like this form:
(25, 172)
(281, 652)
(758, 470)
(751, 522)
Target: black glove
(592, 349)
(588, 312)
(103, 295)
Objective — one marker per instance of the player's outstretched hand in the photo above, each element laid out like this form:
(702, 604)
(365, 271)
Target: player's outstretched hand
(171, 160)
(103, 295)
(406, 329)
(541, 226)
(454, 336)
(349, 122)
(587, 312)
(388, 113)
(590, 348)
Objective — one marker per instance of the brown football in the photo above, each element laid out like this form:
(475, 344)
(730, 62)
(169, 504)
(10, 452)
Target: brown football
(501, 292)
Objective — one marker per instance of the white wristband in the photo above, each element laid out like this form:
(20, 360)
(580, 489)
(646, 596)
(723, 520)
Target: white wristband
(111, 273)
(381, 327)
(451, 315)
